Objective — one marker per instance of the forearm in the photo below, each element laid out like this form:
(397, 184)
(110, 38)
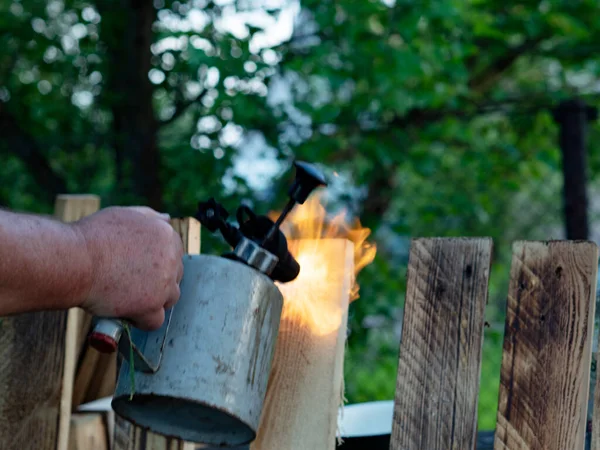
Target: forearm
(43, 264)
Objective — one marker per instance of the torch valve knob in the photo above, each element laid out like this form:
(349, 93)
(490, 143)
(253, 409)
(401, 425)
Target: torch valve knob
(258, 241)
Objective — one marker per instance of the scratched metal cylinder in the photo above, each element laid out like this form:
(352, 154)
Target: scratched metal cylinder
(212, 380)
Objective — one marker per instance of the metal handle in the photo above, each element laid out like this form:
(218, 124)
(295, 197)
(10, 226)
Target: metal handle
(107, 337)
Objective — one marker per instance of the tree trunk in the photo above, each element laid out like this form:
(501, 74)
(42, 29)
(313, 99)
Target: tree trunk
(20, 143)
(126, 30)
(573, 116)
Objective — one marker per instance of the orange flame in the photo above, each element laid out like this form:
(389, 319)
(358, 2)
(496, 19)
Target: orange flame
(310, 296)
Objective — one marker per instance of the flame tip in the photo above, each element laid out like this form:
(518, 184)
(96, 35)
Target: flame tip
(310, 222)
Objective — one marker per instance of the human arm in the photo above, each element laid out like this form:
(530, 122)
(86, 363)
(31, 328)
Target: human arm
(119, 262)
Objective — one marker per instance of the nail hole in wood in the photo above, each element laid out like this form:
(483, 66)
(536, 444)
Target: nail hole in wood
(558, 271)
(469, 271)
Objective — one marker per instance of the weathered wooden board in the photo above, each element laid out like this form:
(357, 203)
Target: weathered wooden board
(442, 337)
(88, 432)
(189, 230)
(34, 354)
(31, 367)
(547, 346)
(126, 435)
(85, 375)
(71, 208)
(306, 379)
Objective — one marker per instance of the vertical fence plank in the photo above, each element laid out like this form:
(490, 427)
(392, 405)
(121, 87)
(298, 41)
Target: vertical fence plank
(442, 337)
(126, 435)
(547, 346)
(71, 208)
(595, 410)
(34, 354)
(306, 377)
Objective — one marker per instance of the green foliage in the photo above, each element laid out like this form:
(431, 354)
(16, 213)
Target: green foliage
(439, 114)
(490, 379)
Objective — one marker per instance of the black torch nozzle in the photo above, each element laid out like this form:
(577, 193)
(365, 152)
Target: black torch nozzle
(308, 178)
(286, 210)
(261, 229)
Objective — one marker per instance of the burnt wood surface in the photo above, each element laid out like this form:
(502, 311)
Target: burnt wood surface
(546, 360)
(440, 352)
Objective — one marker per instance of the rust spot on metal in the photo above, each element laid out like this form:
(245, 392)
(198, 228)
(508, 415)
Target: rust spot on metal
(222, 367)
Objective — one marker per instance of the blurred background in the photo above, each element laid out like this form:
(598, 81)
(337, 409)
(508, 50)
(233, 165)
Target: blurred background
(440, 118)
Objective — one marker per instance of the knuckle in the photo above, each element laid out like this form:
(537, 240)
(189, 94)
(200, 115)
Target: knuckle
(165, 229)
(177, 243)
(156, 320)
(176, 294)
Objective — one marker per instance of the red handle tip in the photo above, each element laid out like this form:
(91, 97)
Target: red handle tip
(103, 343)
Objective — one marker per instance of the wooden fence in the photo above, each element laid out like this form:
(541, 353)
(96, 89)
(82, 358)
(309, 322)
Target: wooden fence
(545, 374)
(546, 361)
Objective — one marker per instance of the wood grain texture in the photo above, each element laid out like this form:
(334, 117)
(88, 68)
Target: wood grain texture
(96, 376)
(440, 352)
(34, 403)
(85, 374)
(306, 379)
(547, 346)
(88, 432)
(31, 366)
(71, 208)
(126, 435)
(104, 378)
(189, 230)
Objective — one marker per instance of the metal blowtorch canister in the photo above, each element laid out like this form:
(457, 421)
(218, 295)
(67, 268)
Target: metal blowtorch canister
(202, 377)
(218, 352)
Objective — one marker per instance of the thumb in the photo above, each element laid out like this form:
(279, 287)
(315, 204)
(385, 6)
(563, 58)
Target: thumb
(149, 321)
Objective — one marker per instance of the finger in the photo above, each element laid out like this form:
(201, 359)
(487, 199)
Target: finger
(150, 321)
(173, 297)
(151, 213)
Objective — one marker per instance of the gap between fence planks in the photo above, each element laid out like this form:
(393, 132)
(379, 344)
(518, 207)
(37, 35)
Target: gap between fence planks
(595, 440)
(126, 435)
(547, 346)
(442, 338)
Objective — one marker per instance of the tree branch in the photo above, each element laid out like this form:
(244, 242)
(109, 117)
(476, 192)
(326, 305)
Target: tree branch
(182, 107)
(381, 186)
(22, 145)
(483, 80)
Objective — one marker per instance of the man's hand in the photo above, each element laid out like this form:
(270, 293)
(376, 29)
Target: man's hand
(119, 263)
(136, 264)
